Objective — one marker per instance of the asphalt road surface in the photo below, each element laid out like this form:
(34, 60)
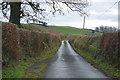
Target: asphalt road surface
(68, 64)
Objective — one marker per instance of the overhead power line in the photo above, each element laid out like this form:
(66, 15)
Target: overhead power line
(108, 9)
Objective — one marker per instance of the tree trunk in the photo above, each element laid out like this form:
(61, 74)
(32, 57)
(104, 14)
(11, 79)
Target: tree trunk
(15, 13)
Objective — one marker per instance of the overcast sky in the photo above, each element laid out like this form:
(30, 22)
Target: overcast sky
(97, 15)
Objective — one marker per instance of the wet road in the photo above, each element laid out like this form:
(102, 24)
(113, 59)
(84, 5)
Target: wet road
(68, 64)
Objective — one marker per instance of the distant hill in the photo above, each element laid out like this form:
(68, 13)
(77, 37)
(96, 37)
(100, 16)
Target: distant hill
(63, 29)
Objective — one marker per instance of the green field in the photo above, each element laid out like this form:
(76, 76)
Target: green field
(63, 29)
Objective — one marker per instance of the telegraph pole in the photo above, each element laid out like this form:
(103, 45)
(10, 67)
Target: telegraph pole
(84, 22)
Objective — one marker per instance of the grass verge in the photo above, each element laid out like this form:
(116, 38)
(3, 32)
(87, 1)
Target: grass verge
(36, 72)
(107, 69)
(19, 69)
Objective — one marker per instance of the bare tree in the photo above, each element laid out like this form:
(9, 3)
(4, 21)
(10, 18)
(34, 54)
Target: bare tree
(21, 9)
(105, 29)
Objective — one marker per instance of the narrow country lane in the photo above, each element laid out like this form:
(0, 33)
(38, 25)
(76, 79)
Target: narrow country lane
(68, 64)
